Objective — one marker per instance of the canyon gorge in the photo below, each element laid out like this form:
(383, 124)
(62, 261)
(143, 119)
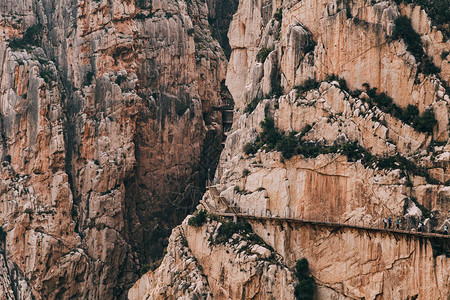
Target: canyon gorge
(168, 150)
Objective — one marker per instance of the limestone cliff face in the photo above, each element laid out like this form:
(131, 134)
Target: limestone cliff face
(329, 186)
(395, 169)
(105, 115)
(196, 267)
(363, 265)
(353, 40)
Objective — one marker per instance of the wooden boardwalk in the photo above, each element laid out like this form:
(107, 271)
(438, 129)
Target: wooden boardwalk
(235, 212)
(333, 225)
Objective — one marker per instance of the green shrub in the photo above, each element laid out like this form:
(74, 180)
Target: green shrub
(444, 54)
(89, 78)
(278, 15)
(198, 219)
(411, 114)
(302, 269)
(252, 105)
(287, 145)
(46, 75)
(245, 173)
(262, 54)
(2, 234)
(342, 82)
(143, 4)
(275, 83)
(403, 29)
(250, 148)
(291, 144)
(226, 231)
(305, 288)
(309, 84)
(438, 11)
(426, 122)
(191, 31)
(120, 79)
(31, 37)
(383, 100)
(269, 135)
(428, 67)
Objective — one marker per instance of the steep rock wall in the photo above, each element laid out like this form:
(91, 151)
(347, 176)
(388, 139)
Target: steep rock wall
(105, 110)
(350, 264)
(353, 40)
(240, 268)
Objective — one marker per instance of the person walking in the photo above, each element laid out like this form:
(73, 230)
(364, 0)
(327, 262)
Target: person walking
(398, 223)
(419, 228)
(445, 229)
(385, 222)
(390, 222)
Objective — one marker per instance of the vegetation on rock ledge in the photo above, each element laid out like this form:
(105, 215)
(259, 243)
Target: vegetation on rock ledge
(31, 37)
(198, 219)
(438, 11)
(404, 30)
(305, 288)
(423, 123)
(291, 144)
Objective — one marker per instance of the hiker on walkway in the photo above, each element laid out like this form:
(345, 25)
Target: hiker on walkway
(398, 223)
(385, 222)
(445, 229)
(419, 228)
(390, 222)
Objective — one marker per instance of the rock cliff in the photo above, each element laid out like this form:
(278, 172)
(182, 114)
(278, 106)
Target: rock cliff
(111, 125)
(340, 117)
(108, 135)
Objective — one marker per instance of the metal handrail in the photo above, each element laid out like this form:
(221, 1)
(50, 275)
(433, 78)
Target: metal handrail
(334, 224)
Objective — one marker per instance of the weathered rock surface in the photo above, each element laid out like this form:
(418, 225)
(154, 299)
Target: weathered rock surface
(239, 269)
(104, 121)
(178, 277)
(13, 284)
(353, 41)
(110, 126)
(274, 49)
(349, 264)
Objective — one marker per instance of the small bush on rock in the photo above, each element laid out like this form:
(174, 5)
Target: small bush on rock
(31, 37)
(250, 148)
(278, 14)
(252, 105)
(305, 288)
(226, 231)
(198, 219)
(262, 54)
(309, 84)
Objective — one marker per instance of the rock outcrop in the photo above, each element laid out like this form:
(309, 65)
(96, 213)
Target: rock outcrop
(319, 150)
(106, 112)
(197, 266)
(111, 125)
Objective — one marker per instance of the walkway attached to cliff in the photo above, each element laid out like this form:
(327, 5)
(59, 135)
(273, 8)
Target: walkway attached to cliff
(331, 224)
(235, 212)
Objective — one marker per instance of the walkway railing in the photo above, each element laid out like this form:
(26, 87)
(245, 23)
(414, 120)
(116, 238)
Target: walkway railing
(332, 224)
(267, 215)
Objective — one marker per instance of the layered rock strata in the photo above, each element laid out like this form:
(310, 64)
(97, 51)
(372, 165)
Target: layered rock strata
(106, 108)
(276, 47)
(200, 268)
